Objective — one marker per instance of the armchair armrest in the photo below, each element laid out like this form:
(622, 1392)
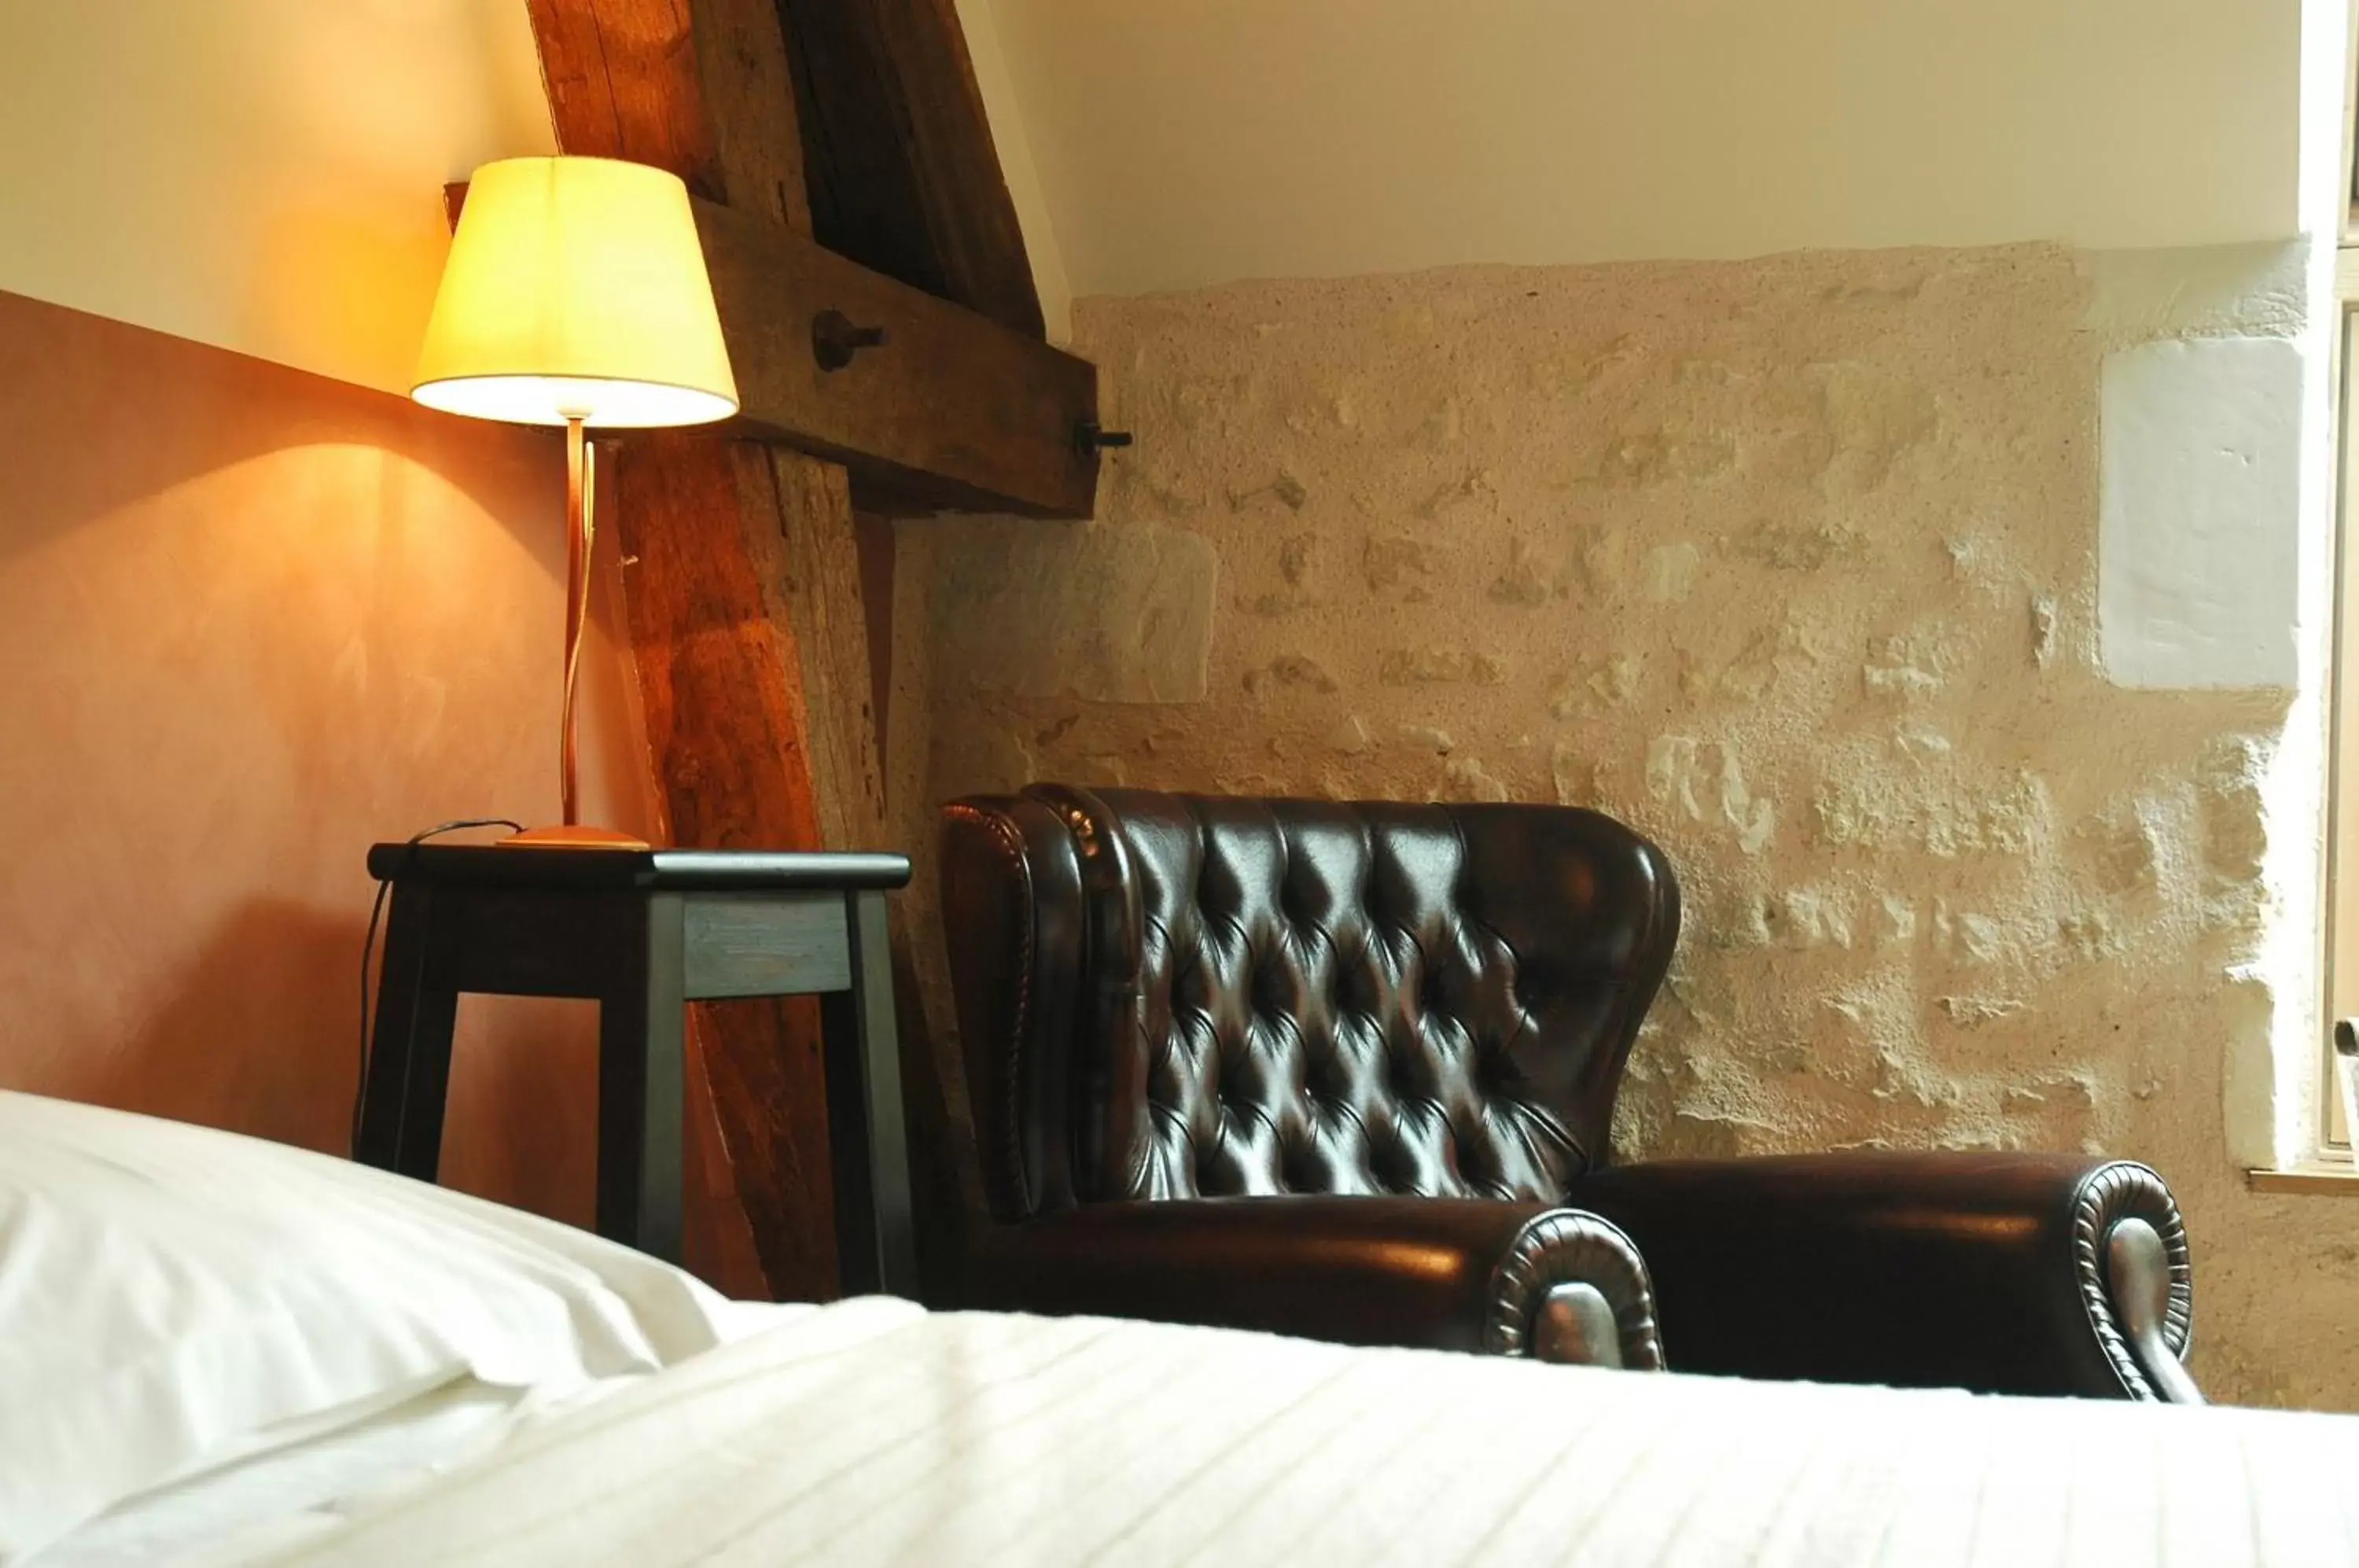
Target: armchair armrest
(2010, 1273)
(1513, 1278)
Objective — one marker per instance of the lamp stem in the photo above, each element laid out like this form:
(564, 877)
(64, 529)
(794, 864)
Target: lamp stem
(580, 525)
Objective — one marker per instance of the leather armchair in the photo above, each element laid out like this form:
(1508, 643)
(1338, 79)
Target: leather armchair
(1157, 1143)
(1347, 1069)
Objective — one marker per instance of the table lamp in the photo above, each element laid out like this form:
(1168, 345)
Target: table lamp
(575, 295)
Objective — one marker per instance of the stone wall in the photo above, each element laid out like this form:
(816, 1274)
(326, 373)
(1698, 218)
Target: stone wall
(1791, 564)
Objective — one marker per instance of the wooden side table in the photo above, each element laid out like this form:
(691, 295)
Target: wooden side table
(644, 933)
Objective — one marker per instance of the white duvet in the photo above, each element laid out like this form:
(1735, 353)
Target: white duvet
(871, 1432)
(217, 1350)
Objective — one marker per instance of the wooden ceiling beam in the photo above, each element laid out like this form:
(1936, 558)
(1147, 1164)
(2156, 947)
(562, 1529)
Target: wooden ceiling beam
(951, 412)
(956, 408)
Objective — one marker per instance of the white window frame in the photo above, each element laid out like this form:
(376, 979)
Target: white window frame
(2333, 1135)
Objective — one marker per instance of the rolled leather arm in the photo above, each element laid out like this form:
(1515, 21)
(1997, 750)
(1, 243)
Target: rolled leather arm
(1409, 1271)
(2009, 1273)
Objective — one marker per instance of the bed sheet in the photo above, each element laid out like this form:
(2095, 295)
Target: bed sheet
(306, 1482)
(871, 1432)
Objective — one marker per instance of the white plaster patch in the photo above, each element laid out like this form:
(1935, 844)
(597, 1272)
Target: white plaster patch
(2143, 294)
(2199, 513)
(1109, 614)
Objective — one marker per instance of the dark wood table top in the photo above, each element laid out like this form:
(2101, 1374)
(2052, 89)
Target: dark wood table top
(653, 870)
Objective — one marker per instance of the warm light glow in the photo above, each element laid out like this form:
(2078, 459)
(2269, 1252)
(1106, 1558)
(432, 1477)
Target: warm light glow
(576, 289)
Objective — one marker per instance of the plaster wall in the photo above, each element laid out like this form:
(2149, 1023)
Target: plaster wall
(1794, 564)
(1182, 143)
(260, 175)
(1011, 139)
(254, 620)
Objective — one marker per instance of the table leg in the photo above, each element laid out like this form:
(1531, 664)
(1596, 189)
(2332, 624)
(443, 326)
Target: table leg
(409, 1046)
(641, 1022)
(875, 1244)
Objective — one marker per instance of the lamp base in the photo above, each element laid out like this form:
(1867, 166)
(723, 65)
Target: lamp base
(573, 836)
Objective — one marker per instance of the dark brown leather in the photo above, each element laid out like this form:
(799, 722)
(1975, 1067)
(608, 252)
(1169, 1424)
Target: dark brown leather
(1296, 996)
(1453, 1275)
(1980, 1270)
(1171, 997)
(1012, 905)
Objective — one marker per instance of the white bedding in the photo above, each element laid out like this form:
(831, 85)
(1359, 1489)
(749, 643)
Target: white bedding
(294, 1492)
(215, 1350)
(178, 1305)
(870, 1433)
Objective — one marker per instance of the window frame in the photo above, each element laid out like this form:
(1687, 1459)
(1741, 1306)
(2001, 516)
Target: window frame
(2331, 1139)
(2329, 1136)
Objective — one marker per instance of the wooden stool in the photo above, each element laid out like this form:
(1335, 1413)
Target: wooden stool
(644, 933)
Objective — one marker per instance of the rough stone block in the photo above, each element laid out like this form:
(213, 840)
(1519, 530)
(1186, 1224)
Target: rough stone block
(1294, 670)
(2043, 630)
(1800, 547)
(1399, 566)
(1435, 740)
(1469, 781)
(1532, 576)
(1440, 666)
(1872, 419)
(1286, 490)
(1350, 736)
(1577, 781)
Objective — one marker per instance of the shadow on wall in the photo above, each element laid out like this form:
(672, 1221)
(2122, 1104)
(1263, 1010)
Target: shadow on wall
(147, 413)
(258, 1031)
(239, 1035)
(256, 620)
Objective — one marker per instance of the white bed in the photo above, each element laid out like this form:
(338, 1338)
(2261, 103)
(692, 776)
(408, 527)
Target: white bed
(873, 1433)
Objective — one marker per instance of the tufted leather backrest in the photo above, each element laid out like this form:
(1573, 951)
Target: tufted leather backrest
(1176, 996)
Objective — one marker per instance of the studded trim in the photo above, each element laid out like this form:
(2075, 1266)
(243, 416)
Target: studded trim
(2109, 1194)
(1010, 1087)
(1565, 1245)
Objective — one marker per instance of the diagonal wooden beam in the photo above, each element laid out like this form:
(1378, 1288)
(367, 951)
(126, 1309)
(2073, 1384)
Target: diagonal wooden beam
(903, 176)
(727, 733)
(744, 568)
(710, 98)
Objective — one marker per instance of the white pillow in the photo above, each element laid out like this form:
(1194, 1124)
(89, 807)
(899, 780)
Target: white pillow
(172, 1297)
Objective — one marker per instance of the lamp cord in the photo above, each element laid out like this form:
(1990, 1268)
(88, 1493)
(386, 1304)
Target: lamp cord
(368, 952)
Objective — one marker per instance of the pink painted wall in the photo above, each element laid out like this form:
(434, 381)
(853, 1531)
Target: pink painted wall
(252, 620)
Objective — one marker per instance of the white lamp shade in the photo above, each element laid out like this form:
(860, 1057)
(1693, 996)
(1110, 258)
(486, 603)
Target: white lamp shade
(576, 289)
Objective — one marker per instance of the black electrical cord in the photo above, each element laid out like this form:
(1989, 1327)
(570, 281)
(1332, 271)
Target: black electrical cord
(368, 952)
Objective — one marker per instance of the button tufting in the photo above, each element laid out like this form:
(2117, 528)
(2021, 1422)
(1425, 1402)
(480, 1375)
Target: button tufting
(1476, 1160)
(1344, 980)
